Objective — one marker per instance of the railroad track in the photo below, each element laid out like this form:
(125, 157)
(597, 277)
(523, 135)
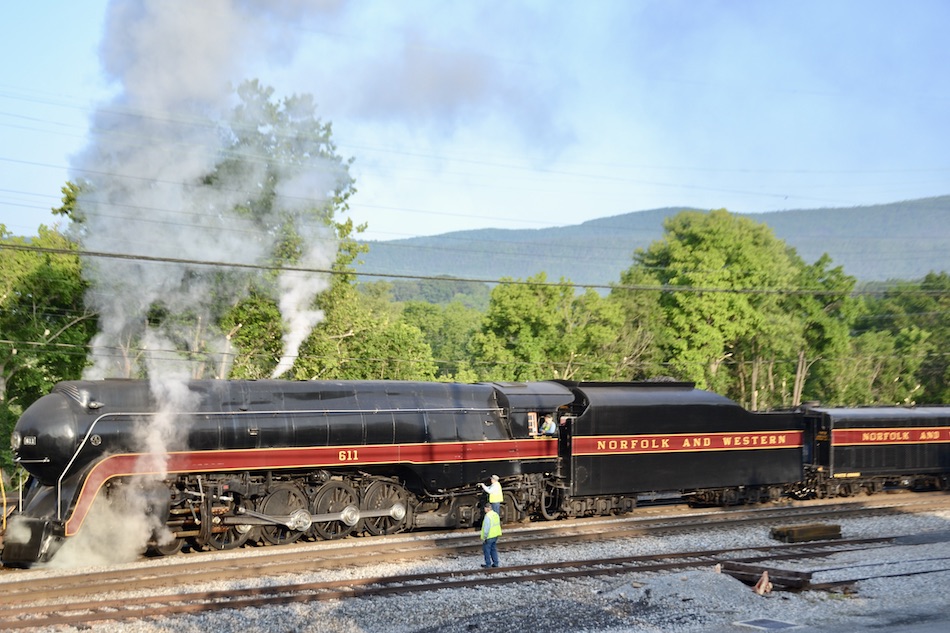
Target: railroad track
(85, 611)
(307, 557)
(90, 597)
(750, 569)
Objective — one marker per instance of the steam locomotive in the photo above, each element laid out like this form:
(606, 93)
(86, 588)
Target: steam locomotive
(275, 461)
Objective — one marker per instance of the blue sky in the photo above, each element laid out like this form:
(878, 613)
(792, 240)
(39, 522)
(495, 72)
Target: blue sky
(508, 114)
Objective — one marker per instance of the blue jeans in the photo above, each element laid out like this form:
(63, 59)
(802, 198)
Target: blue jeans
(496, 507)
(490, 549)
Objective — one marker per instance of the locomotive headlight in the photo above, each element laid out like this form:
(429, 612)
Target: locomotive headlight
(15, 441)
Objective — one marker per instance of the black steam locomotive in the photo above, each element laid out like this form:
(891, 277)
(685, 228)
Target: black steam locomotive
(275, 461)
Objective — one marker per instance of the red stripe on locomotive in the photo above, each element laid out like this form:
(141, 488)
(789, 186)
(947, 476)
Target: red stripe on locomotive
(132, 464)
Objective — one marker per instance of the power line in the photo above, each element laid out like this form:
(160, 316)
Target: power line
(199, 357)
(515, 282)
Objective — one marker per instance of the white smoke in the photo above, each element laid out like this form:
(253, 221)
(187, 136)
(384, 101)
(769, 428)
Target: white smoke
(298, 290)
(164, 188)
(99, 542)
(155, 145)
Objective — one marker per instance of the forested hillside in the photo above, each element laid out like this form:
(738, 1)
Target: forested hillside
(902, 240)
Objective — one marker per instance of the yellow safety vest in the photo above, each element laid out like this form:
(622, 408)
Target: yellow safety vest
(491, 526)
(495, 495)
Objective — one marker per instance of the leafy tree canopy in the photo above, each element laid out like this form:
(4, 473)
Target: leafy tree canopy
(539, 331)
(44, 325)
(737, 316)
(447, 329)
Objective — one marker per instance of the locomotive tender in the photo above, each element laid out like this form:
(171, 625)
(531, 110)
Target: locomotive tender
(278, 460)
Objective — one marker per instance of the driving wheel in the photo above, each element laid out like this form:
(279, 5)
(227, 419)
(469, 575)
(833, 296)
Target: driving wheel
(382, 495)
(331, 498)
(283, 500)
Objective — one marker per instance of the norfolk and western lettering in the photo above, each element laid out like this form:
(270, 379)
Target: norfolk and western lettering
(630, 444)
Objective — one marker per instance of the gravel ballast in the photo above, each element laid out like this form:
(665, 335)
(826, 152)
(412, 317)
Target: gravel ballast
(698, 600)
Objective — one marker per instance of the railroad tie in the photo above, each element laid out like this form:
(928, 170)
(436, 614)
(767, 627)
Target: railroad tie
(809, 532)
(780, 578)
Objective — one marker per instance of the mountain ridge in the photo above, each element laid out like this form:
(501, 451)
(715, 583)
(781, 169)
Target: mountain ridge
(902, 240)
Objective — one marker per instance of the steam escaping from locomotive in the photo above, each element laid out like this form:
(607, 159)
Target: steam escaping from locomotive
(101, 543)
(298, 290)
(168, 187)
(167, 180)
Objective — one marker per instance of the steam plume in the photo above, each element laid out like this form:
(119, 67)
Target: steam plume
(167, 186)
(155, 146)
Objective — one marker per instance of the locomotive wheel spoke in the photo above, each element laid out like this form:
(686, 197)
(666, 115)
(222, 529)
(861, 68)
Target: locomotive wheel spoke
(226, 537)
(282, 501)
(234, 536)
(332, 497)
(382, 495)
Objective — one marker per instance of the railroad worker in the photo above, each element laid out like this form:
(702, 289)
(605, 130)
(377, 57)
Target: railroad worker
(491, 530)
(495, 494)
(548, 427)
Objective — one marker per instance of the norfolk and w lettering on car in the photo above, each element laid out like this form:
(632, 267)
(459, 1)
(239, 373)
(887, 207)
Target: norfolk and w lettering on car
(712, 441)
(859, 436)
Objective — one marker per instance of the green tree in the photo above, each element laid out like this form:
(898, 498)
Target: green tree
(360, 336)
(733, 317)
(441, 291)
(447, 329)
(289, 137)
(253, 338)
(281, 181)
(534, 330)
(829, 314)
(881, 369)
(378, 296)
(70, 207)
(723, 313)
(44, 326)
(640, 346)
(42, 316)
(355, 342)
(918, 305)
(932, 314)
